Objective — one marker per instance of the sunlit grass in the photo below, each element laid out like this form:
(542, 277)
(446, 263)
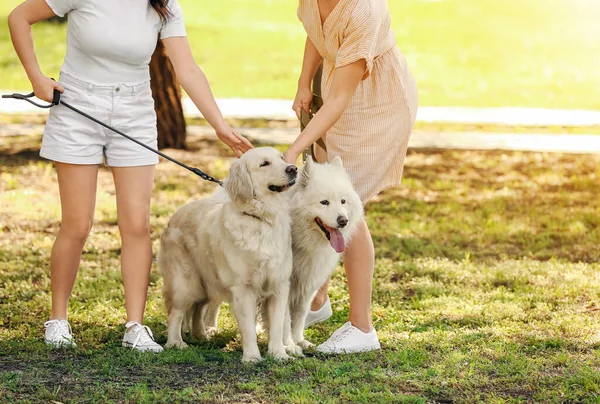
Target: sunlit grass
(529, 53)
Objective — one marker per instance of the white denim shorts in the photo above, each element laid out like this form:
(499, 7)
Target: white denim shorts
(72, 138)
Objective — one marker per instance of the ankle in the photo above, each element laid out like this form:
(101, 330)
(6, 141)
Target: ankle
(58, 316)
(318, 302)
(362, 323)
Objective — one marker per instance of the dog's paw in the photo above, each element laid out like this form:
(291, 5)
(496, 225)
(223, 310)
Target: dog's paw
(294, 350)
(251, 358)
(280, 355)
(199, 335)
(178, 345)
(305, 344)
(211, 332)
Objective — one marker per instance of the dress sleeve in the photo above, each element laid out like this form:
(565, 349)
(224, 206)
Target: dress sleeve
(62, 7)
(175, 25)
(359, 40)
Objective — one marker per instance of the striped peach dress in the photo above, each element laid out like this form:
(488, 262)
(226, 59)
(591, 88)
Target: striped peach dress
(372, 135)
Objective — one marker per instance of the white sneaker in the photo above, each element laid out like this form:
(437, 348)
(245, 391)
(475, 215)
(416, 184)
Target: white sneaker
(349, 339)
(58, 334)
(140, 338)
(322, 314)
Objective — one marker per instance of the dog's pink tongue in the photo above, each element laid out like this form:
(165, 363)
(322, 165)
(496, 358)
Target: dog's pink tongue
(336, 239)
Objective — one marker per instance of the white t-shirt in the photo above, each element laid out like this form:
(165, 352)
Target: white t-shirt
(110, 42)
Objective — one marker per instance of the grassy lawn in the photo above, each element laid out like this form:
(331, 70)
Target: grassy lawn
(529, 53)
(486, 290)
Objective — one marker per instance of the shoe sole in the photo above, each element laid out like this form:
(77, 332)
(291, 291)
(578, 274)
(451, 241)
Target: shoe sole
(368, 348)
(56, 344)
(139, 349)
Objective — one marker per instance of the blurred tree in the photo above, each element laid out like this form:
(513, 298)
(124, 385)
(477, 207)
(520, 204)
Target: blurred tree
(166, 92)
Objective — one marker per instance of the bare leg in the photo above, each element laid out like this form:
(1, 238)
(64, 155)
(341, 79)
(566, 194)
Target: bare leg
(359, 263)
(320, 298)
(134, 191)
(77, 186)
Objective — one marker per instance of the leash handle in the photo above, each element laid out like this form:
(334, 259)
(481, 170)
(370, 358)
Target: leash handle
(56, 97)
(26, 97)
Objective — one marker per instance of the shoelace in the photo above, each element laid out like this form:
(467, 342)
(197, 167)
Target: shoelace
(146, 338)
(341, 336)
(60, 328)
(341, 330)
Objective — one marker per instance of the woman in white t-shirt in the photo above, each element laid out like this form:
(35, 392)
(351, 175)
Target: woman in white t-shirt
(105, 73)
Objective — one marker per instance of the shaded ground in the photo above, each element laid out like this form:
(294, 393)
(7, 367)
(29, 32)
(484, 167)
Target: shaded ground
(486, 290)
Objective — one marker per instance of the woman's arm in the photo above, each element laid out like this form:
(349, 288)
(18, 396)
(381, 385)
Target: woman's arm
(20, 21)
(310, 64)
(344, 83)
(194, 83)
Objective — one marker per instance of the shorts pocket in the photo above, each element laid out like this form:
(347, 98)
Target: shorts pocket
(72, 94)
(144, 97)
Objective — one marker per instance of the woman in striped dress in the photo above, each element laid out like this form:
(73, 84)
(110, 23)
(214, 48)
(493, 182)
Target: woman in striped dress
(370, 105)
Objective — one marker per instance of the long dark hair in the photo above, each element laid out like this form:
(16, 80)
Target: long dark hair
(160, 6)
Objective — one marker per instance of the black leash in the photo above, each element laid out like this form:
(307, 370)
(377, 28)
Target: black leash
(56, 100)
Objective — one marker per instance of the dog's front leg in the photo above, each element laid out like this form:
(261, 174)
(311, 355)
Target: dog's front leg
(276, 306)
(198, 326)
(175, 320)
(298, 313)
(244, 311)
(211, 316)
(288, 341)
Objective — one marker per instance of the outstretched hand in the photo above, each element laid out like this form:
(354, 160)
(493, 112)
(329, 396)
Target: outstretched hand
(290, 156)
(236, 142)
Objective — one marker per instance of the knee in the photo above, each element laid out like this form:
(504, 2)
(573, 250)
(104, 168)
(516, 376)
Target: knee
(76, 230)
(137, 226)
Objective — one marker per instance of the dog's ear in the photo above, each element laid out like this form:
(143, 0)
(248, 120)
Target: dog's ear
(239, 184)
(337, 162)
(305, 174)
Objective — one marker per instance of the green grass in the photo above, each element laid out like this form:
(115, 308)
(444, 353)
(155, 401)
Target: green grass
(486, 290)
(523, 53)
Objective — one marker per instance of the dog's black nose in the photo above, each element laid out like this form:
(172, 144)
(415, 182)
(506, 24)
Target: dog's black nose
(291, 169)
(342, 221)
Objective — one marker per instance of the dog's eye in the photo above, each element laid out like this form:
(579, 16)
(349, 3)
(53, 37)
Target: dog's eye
(343, 201)
(325, 202)
(264, 164)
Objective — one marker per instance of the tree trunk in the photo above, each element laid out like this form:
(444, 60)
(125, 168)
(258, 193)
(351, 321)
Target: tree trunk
(167, 101)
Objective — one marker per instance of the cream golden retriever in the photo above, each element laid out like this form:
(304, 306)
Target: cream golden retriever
(236, 249)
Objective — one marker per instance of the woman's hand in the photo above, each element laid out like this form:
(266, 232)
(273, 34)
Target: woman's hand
(303, 99)
(291, 155)
(44, 87)
(238, 144)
